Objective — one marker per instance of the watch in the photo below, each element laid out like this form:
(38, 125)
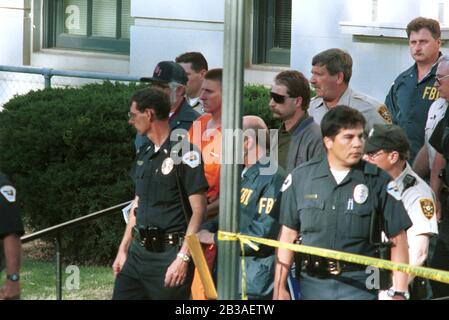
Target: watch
(13, 277)
(393, 293)
(184, 257)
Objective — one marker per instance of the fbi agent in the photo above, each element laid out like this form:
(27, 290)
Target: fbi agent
(330, 202)
(413, 91)
(153, 261)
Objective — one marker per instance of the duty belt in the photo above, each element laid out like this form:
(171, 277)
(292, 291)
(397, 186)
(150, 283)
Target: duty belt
(322, 267)
(155, 240)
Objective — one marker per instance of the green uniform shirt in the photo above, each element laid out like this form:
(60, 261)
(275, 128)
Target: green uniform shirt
(338, 217)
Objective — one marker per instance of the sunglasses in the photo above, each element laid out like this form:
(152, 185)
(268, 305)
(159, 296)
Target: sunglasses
(278, 98)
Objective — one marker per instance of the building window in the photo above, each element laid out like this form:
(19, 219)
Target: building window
(88, 25)
(272, 31)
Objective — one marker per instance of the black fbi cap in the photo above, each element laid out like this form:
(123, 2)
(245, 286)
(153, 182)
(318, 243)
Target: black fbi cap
(167, 71)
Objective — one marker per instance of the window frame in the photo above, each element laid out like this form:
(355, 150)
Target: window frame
(54, 36)
(263, 46)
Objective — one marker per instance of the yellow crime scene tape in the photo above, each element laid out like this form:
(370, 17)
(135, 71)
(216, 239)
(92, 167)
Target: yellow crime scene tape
(423, 272)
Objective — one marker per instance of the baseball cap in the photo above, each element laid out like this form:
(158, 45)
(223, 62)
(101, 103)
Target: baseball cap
(387, 137)
(167, 71)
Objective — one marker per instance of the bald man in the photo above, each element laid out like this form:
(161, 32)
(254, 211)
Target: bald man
(259, 211)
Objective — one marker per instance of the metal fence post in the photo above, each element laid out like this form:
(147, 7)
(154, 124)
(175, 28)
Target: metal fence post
(47, 73)
(58, 267)
(229, 252)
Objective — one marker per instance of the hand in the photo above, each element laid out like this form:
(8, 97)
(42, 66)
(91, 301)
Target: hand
(10, 291)
(206, 237)
(176, 273)
(119, 262)
(212, 199)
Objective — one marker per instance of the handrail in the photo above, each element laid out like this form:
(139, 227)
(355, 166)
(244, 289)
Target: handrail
(48, 73)
(57, 231)
(71, 223)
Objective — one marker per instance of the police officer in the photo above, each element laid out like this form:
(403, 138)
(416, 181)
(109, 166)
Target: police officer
(413, 91)
(153, 261)
(11, 229)
(331, 73)
(195, 65)
(172, 79)
(329, 202)
(388, 148)
(259, 211)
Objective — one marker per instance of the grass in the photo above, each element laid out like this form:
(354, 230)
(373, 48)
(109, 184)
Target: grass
(38, 281)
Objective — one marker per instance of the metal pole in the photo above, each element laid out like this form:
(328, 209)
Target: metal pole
(229, 252)
(47, 76)
(58, 267)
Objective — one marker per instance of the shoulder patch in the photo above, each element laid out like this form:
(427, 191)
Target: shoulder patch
(287, 183)
(427, 207)
(384, 113)
(192, 159)
(9, 192)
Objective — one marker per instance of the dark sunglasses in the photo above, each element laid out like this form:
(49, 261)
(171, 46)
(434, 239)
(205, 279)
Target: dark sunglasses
(278, 98)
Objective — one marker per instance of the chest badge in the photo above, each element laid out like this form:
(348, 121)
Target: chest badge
(140, 162)
(9, 193)
(167, 166)
(361, 193)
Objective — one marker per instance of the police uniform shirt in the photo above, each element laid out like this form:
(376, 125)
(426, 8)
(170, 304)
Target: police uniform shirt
(419, 202)
(181, 119)
(196, 104)
(436, 113)
(373, 110)
(156, 185)
(409, 101)
(338, 217)
(10, 221)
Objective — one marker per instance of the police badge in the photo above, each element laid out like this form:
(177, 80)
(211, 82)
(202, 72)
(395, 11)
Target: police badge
(428, 208)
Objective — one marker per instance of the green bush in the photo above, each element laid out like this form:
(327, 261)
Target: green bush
(69, 152)
(256, 99)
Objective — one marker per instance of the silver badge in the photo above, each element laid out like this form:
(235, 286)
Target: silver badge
(361, 193)
(9, 193)
(167, 166)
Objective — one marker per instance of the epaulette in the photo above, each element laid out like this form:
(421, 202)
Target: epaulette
(371, 169)
(311, 162)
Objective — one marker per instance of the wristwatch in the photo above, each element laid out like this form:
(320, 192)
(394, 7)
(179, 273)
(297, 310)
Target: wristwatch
(183, 256)
(393, 293)
(13, 277)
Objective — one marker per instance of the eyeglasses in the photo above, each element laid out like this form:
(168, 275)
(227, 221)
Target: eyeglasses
(278, 98)
(375, 154)
(438, 79)
(131, 116)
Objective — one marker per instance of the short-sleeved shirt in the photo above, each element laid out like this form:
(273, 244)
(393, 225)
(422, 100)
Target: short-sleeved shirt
(10, 221)
(436, 113)
(209, 142)
(419, 202)
(156, 184)
(409, 101)
(338, 216)
(181, 119)
(374, 111)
